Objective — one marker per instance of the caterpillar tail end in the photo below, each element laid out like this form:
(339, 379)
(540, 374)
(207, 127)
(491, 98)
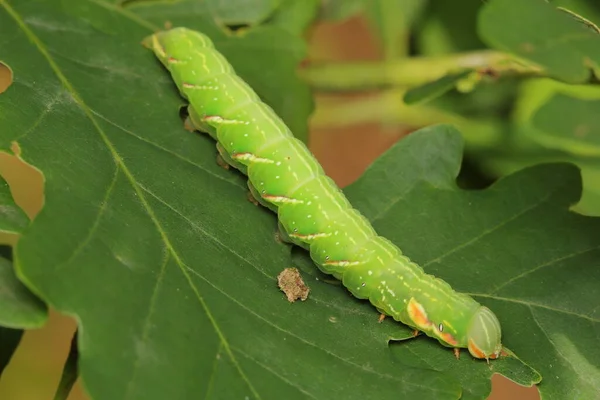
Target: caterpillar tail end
(484, 335)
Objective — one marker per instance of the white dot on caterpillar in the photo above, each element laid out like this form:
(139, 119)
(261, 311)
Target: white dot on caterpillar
(277, 177)
(441, 328)
(370, 272)
(278, 163)
(363, 284)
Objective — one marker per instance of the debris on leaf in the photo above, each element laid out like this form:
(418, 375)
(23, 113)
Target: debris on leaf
(290, 282)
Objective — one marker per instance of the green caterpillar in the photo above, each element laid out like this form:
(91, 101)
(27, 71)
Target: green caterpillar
(313, 212)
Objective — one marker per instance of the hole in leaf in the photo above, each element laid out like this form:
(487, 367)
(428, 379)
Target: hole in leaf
(6, 76)
(235, 28)
(183, 112)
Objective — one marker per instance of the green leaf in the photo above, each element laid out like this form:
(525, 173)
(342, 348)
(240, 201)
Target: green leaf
(12, 218)
(533, 145)
(392, 20)
(515, 247)
(9, 341)
(295, 16)
(267, 56)
(561, 44)
(241, 12)
(431, 90)
(448, 27)
(571, 123)
(338, 10)
(19, 308)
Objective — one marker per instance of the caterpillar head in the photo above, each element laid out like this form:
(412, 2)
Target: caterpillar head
(484, 335)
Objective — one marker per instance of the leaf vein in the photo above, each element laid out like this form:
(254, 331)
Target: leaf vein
(530, 303)
(146, 324)
(489, 230)
(541, 266)
(159, 147)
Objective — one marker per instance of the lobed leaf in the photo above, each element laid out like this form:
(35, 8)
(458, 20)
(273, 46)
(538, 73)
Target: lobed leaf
(543, 34)
(570, 123)
(19, 308)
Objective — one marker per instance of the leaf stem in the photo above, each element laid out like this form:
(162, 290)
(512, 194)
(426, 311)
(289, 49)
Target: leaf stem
(70, 372)
(408, 72)
(387, 107)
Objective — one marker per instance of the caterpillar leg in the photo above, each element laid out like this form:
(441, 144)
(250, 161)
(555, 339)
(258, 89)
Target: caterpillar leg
(196, 122)
(258, 198)
(252, 200)
(188, 125)
(381, 318)
(457, 353)
(225, 160)
(284, 237)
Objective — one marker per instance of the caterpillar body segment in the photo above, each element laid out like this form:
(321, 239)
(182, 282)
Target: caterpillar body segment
(312, 211)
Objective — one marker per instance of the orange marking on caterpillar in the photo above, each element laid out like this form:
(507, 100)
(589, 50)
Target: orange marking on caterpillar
(446, 337)
(473, 349)
(418, 315)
